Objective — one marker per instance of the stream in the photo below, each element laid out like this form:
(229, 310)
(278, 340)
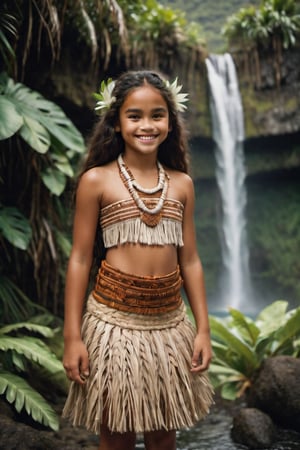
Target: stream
(213, 433)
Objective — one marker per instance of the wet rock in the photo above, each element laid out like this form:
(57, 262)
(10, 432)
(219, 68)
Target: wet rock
(18, 435)
(253, 428)
(276, 391)
(24, 437)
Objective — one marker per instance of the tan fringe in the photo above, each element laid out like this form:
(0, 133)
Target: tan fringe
(166, 232)
(140, 377)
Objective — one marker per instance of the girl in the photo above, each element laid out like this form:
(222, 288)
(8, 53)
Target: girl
(136, 362)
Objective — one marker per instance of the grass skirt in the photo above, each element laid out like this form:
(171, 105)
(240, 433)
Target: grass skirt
(140, 377)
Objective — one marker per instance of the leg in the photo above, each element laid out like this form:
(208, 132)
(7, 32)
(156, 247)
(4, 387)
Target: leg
(116, 441)
(160, 440)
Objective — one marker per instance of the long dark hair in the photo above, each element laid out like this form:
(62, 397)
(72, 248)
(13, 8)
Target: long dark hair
(105, 144)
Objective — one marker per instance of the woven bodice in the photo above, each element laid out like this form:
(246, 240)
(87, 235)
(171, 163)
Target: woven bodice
(121, 223)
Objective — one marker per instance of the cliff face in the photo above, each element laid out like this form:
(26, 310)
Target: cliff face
(272, 160)
(271, 110)
(268, 110)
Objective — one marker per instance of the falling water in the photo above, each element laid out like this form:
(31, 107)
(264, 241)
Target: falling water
(228, 134)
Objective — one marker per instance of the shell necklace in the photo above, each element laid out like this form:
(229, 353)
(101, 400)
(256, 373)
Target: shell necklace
(150, 216)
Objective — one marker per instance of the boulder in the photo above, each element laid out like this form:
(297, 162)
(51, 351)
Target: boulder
(253, 428)
(276, 391)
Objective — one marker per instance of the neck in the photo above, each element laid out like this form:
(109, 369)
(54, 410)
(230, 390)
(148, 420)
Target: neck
(142, 162)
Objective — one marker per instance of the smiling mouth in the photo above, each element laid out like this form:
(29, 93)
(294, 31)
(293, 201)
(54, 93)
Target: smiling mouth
(147, 138)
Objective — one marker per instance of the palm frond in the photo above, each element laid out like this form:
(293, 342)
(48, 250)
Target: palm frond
(18, 392)
(33, 349)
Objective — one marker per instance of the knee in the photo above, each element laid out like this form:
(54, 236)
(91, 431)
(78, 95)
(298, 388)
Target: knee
(160, 440)
(116, 441)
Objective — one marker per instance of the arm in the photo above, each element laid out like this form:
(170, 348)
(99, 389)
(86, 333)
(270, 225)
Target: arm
(193, 278)
(85, 221)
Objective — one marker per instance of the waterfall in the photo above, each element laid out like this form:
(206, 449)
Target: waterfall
(228, 134)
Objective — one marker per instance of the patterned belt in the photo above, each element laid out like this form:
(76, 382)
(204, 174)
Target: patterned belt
(138, 294)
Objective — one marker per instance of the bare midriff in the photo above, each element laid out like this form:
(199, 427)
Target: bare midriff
(143, 260)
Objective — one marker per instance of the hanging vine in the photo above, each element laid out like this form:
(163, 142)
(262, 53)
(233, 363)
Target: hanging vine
(271, 28)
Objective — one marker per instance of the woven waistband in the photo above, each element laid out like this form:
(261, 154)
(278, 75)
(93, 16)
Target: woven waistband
(137, 294)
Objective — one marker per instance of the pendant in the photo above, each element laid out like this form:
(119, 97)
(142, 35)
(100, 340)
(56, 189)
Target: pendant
(150, 219)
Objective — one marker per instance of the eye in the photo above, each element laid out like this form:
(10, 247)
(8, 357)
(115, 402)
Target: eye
(158, 115)
(133, 116)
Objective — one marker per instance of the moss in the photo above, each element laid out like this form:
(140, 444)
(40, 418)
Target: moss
(267, 160)
(291, 104)
(274, 236)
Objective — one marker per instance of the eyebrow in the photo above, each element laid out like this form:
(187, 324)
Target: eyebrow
(137, 110)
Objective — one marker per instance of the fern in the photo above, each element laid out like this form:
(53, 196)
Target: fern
(23, 396)
(33, 349)
(36, 328)
(21, 353)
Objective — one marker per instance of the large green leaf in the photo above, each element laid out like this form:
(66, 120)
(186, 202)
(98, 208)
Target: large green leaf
(62, 163)
(33, 105)
(64, 244)
(271, 318)
(54, 180)
(241, 345)
(245, 326)
(288, 332)
(230, 390)
(224, 355)
(34, 327)
(223, 370)
(33, 349)
(15, 227)
(22, 395)
(10, 120)
(236, 345)
(35, 135)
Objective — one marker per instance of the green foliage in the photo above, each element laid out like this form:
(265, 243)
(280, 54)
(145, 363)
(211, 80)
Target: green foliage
(241, 344)
(8, 30)
(156, 21)
(155, 29)
(210, 16)
(25, 357)
(15, 227)
(21, 394)
(43, 126)
(14, 304)
(275, 237)
(260, 25)
(43, 146)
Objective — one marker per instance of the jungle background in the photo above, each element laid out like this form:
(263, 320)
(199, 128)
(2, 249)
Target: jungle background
(54, 53)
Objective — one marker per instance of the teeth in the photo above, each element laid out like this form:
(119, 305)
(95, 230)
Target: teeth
(146, 138)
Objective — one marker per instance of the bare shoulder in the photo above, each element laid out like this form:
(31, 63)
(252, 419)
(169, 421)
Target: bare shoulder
(181, 185)
(97, 176)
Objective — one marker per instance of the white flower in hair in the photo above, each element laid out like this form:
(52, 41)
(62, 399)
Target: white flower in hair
(104, 96)
(179, 99)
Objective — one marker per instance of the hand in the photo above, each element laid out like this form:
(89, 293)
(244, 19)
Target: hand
(202, 354)
(76, 361)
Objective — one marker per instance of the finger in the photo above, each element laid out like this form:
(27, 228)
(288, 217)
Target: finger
(84, 368)
(74, 375)
(77, 378)
(201, 366)
(196, 359)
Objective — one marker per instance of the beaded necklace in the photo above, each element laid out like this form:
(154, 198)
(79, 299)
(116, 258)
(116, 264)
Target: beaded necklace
(150, 216)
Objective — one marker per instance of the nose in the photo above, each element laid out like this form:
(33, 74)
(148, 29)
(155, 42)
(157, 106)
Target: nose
(146, 124)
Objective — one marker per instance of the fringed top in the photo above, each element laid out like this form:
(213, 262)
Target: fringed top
(122, 223)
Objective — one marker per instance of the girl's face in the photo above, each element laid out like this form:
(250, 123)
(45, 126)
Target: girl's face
(143, 120)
